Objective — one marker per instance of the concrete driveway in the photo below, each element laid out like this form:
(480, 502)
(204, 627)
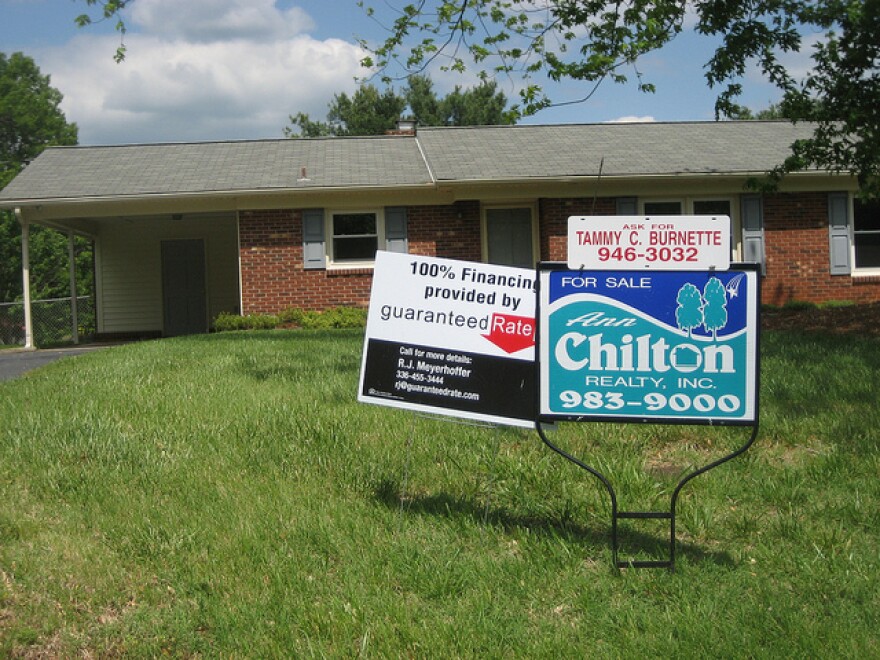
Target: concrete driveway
(15, 362)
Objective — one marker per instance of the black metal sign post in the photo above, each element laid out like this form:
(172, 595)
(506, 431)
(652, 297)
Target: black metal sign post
(617, 514)
(663, 347)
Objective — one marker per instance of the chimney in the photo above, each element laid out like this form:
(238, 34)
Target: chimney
(405, 126)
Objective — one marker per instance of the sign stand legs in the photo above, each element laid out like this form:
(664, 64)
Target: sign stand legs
(405, 486)
(616, 514)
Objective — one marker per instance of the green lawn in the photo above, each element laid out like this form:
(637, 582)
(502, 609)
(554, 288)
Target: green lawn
(225, 495)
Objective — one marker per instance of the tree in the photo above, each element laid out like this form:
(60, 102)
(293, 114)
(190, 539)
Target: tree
(366, 112)
(30, 116)
(31, 120)
(371, 112)
(423, 102)
(773, 111)
(590, 41)
(483, 105)
(842, 96)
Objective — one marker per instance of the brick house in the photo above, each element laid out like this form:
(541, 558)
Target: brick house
(184, 232)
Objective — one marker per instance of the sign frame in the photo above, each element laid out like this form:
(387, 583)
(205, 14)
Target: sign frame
(625, 406)
(752, 272)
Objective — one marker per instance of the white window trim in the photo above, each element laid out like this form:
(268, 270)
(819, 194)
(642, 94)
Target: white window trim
(687, 206)
(484, 228)
(332, 264)
(855, 271)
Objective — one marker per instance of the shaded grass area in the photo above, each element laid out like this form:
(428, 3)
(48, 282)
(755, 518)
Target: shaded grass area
(226, 495)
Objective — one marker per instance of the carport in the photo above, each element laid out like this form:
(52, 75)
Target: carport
(155, 274)
(165, 245)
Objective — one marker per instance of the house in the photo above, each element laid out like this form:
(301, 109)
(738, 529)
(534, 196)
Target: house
(184, 232)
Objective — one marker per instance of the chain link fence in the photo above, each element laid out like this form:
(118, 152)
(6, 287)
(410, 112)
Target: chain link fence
(53, 321)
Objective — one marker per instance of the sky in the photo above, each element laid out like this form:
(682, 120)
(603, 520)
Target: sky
(200, 70)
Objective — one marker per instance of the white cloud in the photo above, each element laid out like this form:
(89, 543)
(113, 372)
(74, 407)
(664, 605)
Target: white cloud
(219, 20)
(200, 70)
(632, 119)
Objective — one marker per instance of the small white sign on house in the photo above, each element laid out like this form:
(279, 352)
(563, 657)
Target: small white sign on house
(619, 242)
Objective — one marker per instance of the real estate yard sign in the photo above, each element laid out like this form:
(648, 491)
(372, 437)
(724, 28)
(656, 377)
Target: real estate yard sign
(451, 337)
(650, 346)
(690, 242)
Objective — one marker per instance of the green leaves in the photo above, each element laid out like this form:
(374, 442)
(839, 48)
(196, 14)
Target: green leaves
(371, 112)
(108, 9)
(501, 37)
(30, 120)
(592, 40)
(30, 115)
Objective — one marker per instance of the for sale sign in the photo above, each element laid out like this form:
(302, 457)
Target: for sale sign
(451, 337)
(691, 242)
(661, 346)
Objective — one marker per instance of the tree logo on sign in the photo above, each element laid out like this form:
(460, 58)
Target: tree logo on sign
(708, 308)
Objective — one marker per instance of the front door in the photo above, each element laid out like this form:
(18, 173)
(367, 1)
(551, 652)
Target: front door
(509, 237)
(184, 296)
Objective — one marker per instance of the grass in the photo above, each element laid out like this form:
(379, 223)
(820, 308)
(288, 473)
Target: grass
(225, 495)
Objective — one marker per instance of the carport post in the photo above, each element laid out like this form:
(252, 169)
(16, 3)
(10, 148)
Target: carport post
(74, 312)
(26, 279)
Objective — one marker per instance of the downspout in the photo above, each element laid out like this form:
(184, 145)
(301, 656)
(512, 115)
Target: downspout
(26, 279)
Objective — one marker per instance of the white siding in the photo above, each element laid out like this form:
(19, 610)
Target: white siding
(129, 268)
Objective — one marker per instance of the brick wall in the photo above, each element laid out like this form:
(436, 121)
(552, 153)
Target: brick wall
(796, 244)
(452, 232)
(554, 213)
(272, 273)
(273, 278)
(797, 252)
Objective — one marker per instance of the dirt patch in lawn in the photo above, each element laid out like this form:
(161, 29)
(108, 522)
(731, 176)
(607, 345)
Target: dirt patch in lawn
(850, 319)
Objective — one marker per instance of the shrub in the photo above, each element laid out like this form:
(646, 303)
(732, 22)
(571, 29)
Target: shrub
(292, 316)
(225, 322)
(836, 304)
(338, 317)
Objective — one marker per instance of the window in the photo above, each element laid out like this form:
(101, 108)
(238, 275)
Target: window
(349, 238)
(690, 206)
(866, 233)
(671, 207)
(717, 207)
(355, 236)
(712, 207)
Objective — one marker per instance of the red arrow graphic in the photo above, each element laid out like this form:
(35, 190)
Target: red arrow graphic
(511, 333)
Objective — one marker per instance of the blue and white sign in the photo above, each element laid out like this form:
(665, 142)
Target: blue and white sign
(661, 346)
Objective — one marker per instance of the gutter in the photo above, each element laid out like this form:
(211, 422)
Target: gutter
(434, 185)
(580, 178)
(213, 194)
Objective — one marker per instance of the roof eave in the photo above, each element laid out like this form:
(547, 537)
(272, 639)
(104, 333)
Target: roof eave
(58, 207)
(579, 178)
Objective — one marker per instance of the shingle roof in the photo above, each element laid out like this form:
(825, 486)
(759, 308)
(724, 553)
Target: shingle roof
(437, 155)
(176, 169)
(636, 149)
